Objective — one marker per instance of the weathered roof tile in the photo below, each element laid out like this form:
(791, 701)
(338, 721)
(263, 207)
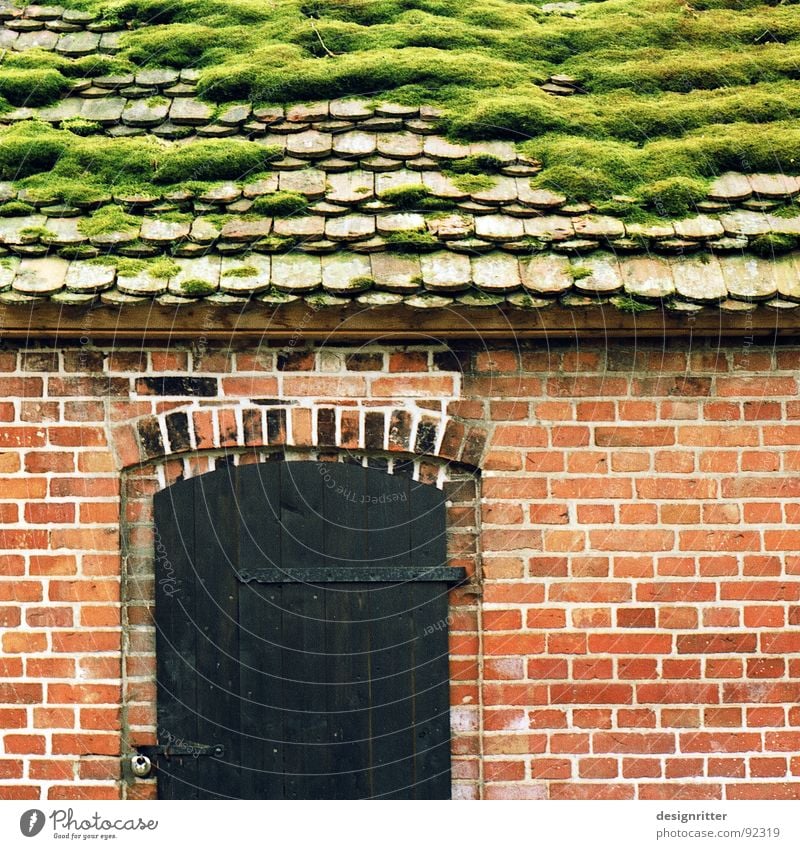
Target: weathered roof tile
(750, 278)
(538, 198)
(731, 187)
(351, 109)
(546, 274)
(309, 182)
(396, 272)
(310, 144)
(699, 228)
(496, 272)
(241, 230)
(498, 228)
(504, 190)
(196, 277)
(599, 226)
(189, 111)
(399, 221)
(86, 277)
(161, 232)
(302, 227)
(440, 148)
(40, 277)
(350, 188)
(346, 273)
(446, 272)
(741, 223)
(296, 273)
(603, 278)
(399, 145)
(350, 228)
(699, 279)
(647, 277)
(248, 275)
(777, 186)
(354, 144)
(549, 228)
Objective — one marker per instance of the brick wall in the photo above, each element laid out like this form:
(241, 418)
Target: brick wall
(637, 632)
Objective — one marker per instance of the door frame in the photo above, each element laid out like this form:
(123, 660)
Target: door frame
(140, 548)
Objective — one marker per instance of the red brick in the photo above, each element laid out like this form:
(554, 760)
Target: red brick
(645, 437)
(621, 540)
(86, 744)
(677, 693)
(604, 694)
(704, 741)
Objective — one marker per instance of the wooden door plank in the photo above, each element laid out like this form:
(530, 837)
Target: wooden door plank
(261, 635)
(392, 700)
(431, 688)
(348, 690)
(388, 531)
(176, 679)
(261, 679)
(430, 665)
(391, 713)
(306, 755)
(344, 513)
(347, 613)
(217, 610)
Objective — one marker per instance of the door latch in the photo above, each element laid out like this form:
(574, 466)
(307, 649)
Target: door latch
(182, 749)
(144, 760)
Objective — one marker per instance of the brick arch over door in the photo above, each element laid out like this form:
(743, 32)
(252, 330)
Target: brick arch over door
(154, 451)
(416, 431)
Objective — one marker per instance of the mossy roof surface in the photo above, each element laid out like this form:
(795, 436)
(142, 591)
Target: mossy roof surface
(666, 89)
(502, 153)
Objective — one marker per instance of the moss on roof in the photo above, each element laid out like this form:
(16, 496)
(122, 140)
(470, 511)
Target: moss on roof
(670, 89)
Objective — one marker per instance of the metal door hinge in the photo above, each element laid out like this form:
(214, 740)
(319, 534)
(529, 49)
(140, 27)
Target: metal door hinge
(183, 749)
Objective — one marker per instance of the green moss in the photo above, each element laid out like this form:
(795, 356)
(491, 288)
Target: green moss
(414, 197)
(107, 219)
(276, 244)
(126, 267)
(197, 287)
(280, 204)
(163, 268)
(172, 45)
(772, 244)
(81, 127)
(34, 87)
(674, 197)
(28, 149)
(361, 284)
(629, 304)
(160, 268)
(54, 189)
(13, 208)
(213, 160)
(411, 241)
(670, 89)
(789, 210)
(175, 217)
(633, 213)
(481, 163)
(37, 233)
(241, 271)
(580, 272)
(471, 182)
(574, 182)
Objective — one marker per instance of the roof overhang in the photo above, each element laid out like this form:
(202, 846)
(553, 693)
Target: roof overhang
(298, 322)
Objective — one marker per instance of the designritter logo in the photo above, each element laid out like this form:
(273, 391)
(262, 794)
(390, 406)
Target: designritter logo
(31, 822)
